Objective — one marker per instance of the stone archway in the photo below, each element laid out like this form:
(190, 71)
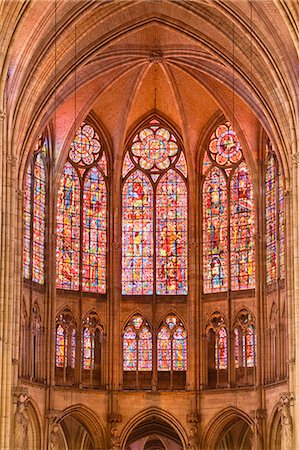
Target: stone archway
(153, 430)
(80, 428)
(231, 429)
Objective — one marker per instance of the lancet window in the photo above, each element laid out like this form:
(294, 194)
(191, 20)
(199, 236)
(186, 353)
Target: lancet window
(34, 214)
(275, 219)
(245, 340)
(92, 340)
(217, 350)
(154, 211)
(228, 215)
(82, 216)
(137, 353)
(65, 355)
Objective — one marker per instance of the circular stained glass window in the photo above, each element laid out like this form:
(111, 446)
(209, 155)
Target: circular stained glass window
(154, 147)
(225, 148)
(86, 147)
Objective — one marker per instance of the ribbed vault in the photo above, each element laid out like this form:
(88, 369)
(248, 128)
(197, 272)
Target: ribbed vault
(119, 55)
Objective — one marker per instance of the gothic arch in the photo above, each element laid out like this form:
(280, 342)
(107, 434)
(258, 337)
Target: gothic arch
(128, 319)
(88, 420)
(274, 435)
(34, 429)
(173, 312)
(154, 414)
(104, 138)
(215, 430)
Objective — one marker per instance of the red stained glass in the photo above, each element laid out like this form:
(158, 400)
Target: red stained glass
(153, 147)
(164, 349)
(281, 222)
(94, 233)
(127, 165)
(160, 200)
(137, 259)
(145, 350)
(130, 349)
(181, 165)
(215, 227)
(242, 230)
(221, 349)
(179, 349)
(225, 148)
(237, 348)
(172, 346)
(61, 346)
(68, 230)
(171, 234)
(88, 349)
(73, 356)
(86, 146)
(39, 205)
(27, 223)
(137, 346)
(249, 347)
(271, 215)
(82, 205)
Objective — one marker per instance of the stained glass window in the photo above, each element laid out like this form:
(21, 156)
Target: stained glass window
(171, 235)
(281, 224)
(154, 214)
(88, 349)
(34, 215)
(172, 346)
(39, 199)
(73, 356)
(27, 222)
(245, 340)
(68, 230)
(94, 232)
(61, 345)
(215, 239)
(82, 216)
(137, 345)
(221, 349)
(138, 248)
(65, 340)
(227, 177)
(242, 230)
(237, 348)
(92, 332)
(250, 347)
(164, 349)
(274, 213)
(271, 214)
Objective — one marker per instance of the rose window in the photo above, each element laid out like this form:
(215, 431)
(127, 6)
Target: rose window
(86, 147)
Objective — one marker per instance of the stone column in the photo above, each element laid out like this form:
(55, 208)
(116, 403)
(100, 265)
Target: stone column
(8, 331)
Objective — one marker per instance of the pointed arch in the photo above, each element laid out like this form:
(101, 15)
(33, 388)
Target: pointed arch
(88, 420)
(34, 214)
(171, 230)
(137, 234)
(215, 236)
(82, 215)
(94, 232)
(156, 155)
(228, 215)
(242, 220)
(160, 418)
(68, 230)
(92, 351)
